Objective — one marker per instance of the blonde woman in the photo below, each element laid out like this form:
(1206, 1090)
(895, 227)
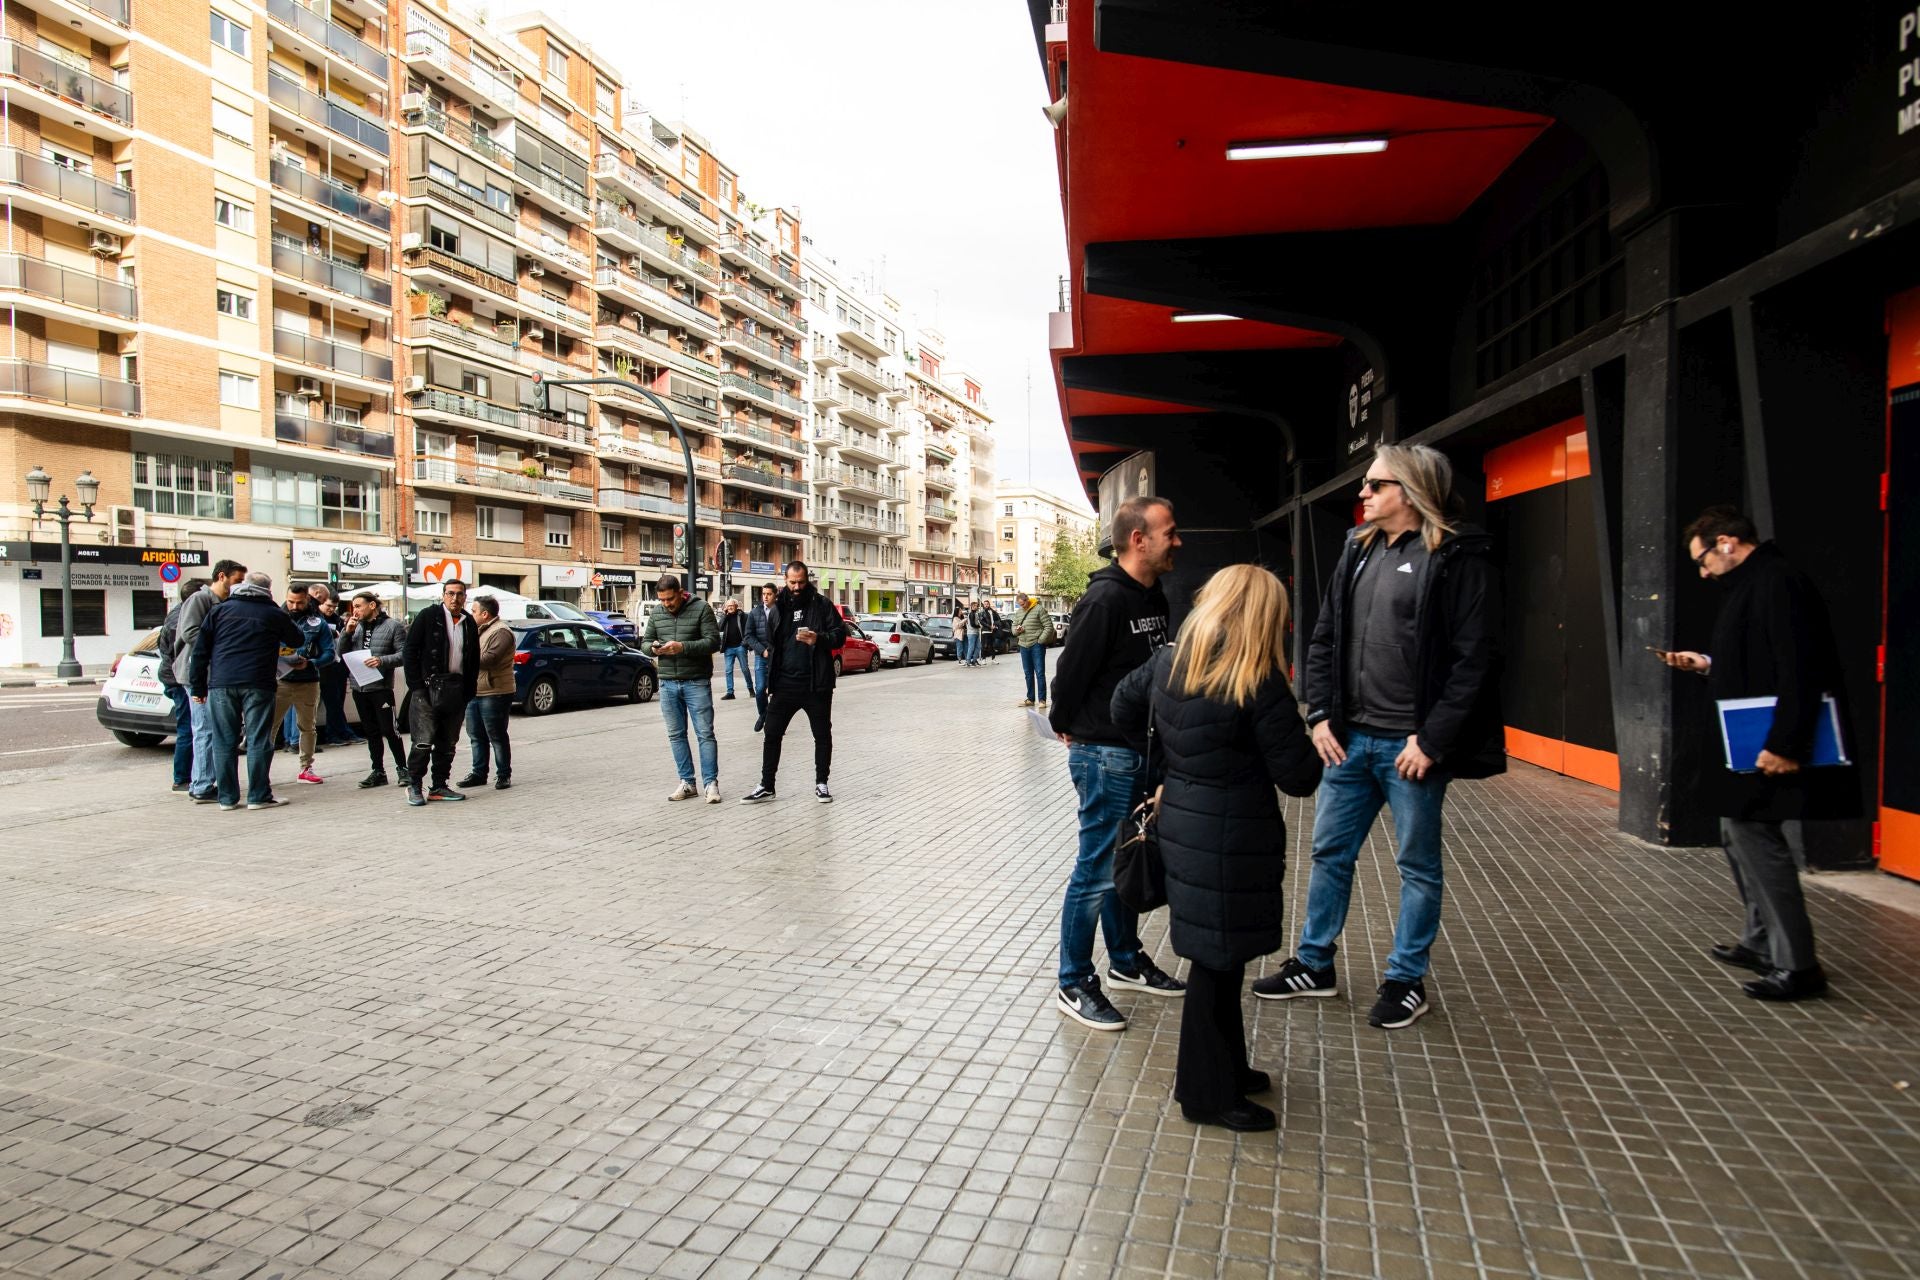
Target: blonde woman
(1228, 731)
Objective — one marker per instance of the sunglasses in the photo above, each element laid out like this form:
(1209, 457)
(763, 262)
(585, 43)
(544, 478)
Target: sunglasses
(1370, 485)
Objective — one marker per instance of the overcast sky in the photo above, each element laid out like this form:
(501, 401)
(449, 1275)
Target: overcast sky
(908, 133)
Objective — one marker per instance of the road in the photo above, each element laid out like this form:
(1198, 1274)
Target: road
(41, 727)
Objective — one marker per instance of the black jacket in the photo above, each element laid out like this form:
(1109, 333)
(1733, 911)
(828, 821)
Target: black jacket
(1221, 832)
(759, 629)
(817, 612)
(1773, 638)
(167, 645)
(239, 643)
(1116, 627)
(426, 653)
(733, 630)
(1454, 654)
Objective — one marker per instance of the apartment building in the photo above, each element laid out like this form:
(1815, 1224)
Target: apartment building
(952, 450)
(1028, 522)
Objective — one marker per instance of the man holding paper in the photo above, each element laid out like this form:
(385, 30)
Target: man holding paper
(1772, 640)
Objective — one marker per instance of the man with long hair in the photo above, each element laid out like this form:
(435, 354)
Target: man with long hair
(1402, 691)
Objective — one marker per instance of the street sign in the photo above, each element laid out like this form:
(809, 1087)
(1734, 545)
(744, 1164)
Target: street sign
(703, 582)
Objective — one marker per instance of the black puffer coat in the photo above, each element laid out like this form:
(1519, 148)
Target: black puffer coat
(1221, 832)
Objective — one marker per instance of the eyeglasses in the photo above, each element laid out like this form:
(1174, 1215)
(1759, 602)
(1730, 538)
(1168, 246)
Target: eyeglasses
(1371, 485)
(1700, 561)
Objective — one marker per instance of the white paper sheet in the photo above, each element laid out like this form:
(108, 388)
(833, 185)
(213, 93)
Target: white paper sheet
(363, 675)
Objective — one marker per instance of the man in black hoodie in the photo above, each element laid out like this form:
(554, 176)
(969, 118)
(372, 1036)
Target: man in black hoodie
(1402, 685)
(1116, 627)
(806, 631)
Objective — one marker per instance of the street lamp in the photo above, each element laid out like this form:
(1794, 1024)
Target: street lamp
(39, 489)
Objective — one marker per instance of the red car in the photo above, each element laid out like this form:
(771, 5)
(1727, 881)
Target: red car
(858, 653)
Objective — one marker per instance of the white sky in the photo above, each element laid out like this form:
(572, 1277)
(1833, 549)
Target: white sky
(908, 134)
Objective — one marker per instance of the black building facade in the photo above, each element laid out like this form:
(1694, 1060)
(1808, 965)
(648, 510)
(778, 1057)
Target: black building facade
(1617, 265)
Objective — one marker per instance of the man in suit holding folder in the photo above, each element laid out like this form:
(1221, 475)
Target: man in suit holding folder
(1772, 639)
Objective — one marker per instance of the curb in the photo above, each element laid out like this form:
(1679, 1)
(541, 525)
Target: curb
(55, 683)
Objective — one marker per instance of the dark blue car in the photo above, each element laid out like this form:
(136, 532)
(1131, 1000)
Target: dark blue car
(617, 625)
(558, 662)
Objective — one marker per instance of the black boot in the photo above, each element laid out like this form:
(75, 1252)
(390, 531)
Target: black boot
(377, 778)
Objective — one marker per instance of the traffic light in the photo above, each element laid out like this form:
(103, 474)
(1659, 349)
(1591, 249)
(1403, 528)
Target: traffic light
(540, 396)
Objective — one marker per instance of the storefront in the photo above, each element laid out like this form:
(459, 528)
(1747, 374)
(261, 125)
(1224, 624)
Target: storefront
(119, 594)
(613, 587)
(349, 565)
(565, 582)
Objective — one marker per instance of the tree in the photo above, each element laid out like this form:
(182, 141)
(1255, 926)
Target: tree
(1072, 560)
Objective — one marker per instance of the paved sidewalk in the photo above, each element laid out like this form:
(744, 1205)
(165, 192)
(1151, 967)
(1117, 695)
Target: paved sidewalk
(571, 1030)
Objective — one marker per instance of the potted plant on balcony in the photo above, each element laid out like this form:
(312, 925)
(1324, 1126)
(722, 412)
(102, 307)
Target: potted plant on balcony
(532, 471)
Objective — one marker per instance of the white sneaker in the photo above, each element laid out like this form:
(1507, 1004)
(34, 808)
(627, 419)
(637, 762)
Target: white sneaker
(713, 793)
(685, 791)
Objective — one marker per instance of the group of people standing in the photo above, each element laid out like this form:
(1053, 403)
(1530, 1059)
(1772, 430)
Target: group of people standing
(976, 627)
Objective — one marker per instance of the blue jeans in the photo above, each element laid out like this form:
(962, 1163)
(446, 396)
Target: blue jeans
(738, 654)
(487, 734)
(683, 700)
(970, 647)
(238, 712)
(760, 682)
(1108, 780)
(182, 735)
(1033, 664)
(1350, 797)
(201, 784)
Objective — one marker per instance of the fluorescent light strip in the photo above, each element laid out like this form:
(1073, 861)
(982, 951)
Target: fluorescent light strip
(1199, 317)
(1296, 150)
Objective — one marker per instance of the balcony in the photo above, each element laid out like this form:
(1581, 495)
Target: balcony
(859, 370)
(324, 192)
(648, 451)
(55, 87)
(330, 357)
(460, 134)
(328, 113)
(451, 404)
(762, 307)
(757, 259)
(646, 296)
(731, 519)
(666, 200)
(67, 192)
(53, 290)
(72, 388)
(689, 411)
(319, 433)
(938, 408)
(761, 436)
(103, 20)
(556, 253)
(447, 473)
(503, 220)
(735, 473)
(874, 521)
(560, 313)
(731, 383)
(472, 341)
(864, 410)
(941, 512)
(859, 480)
(629, 235)
(563, 198)
(860, 330)
(940, 478)
(325, 273)
(939, 446)
(622, 500)
(429, 55)
(463, 271)
(320, 39)
(756, 348)
(825, 352)
(647, 348)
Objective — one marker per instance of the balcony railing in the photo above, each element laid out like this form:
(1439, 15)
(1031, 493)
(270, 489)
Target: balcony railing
(69, 186)
(665, 455)
(330, 35)
(553, 247)
(447, 471)
(327, 113)
(940, 511)
(426, 327)
(567, 194)
(51, 384)
(608, 219)
(491, 86)
(761, 391)
(754, 475)
(762, 301)
(327, 194)
(754, 520)
(879, 522)
(64, 80)
(328, 274)
(118, 12)
(620, 334)
(474, 275)
(81, 289)
(760, 435)
(854, 402)
(940, 476)
(858, 478)
(456, 405)
(340, 357)
(612, 278)
(556, 310)
(752, 342)
(760, 258)
(658, 505)
(505, 221)
(461, 134)
(322, 434)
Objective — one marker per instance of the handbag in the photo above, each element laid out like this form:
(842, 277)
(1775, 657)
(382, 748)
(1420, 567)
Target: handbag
(1139, 872)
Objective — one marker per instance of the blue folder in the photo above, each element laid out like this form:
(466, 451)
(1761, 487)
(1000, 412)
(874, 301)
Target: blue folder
(1745, 723)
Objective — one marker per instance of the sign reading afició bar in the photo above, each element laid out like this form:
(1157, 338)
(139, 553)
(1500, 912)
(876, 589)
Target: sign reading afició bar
(152, 557)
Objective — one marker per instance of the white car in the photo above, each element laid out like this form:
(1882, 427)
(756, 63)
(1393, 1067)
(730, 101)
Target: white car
(134, 705)
(900, 639)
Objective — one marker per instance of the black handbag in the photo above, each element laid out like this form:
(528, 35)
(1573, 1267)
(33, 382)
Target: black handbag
(1139, 872)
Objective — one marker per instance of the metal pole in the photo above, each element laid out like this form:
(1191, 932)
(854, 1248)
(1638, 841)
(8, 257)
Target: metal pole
(69, 665)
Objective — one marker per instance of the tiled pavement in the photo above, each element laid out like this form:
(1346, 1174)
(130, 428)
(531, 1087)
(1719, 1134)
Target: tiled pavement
(570, 1030)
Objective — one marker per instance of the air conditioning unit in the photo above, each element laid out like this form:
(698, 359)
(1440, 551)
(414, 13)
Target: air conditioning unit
(307, 388)
(410, 241)
(413, 102)
(416, 383)
(129, 526)
(535, 270)
(537, 333)
(104, 243)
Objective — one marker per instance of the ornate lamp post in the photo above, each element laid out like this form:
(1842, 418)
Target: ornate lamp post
(39, 489)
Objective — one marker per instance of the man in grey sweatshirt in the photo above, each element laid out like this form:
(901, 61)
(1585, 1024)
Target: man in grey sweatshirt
(227, 574)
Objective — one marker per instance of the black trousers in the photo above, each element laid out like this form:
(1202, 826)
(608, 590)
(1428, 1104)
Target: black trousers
(1213, 1040)
(376, 722)
(435, 730)
(333, 699)
(782, 707)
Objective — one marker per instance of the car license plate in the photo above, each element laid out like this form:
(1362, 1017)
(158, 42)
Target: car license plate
(143, 702)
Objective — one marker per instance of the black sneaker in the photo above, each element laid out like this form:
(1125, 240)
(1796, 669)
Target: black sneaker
(415, 799)
(502, 782)
(1087, 1005)
(372, 780)
(1150, 978)
(406, 779)
(1401, 1004)
(821, 793)
(444, 793)
(757, 795)
(472, 780)
(759, 724)
(1294, 979)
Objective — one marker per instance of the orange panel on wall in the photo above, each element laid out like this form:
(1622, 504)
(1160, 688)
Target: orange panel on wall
(1536, 461)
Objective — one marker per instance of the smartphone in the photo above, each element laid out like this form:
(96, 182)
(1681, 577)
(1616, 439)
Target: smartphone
(1662, 654)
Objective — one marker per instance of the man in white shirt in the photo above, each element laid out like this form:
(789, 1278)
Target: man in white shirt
(443, 669)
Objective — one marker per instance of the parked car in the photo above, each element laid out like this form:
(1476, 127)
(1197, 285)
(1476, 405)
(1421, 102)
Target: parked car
(558, 662)
(900, 639)
(1060, 621)
(133, 704)
(617, 625)
(857, 653)
(939, 631)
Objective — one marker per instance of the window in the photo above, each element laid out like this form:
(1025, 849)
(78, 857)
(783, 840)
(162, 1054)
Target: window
(497, 524)
(559, 531)
(476, 384)
(613, 537)
(442, 236)
(239, 390)
(1006, 535)
(232, 214)
(231, 302)
(232, 122)
(312, 500)
(556, 62)
(726, 188)
(228, 34)
(603, 101)
(432, 517)
(177, 486)
(1006, 509)
(89, 613)
(149, 609)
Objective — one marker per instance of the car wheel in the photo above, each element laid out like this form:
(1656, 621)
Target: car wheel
(642, 690)
(139, 739)
(929, 655)
(543, 697)
(836, 667)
